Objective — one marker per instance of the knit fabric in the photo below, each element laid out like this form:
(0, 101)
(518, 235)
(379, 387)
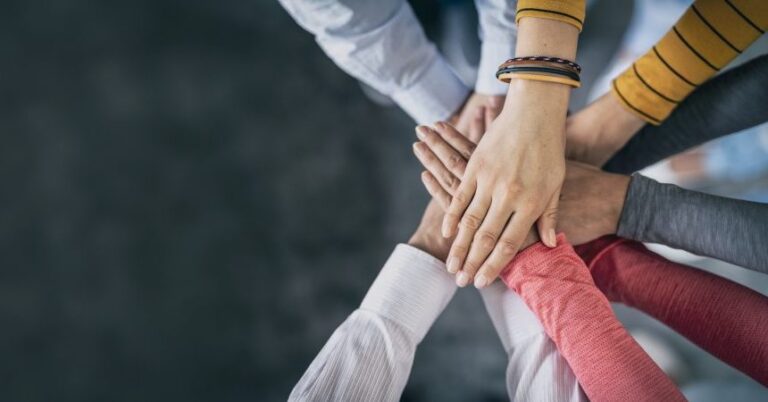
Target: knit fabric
(568, 11)
(707, 37)
(610, 365)
(686, 299)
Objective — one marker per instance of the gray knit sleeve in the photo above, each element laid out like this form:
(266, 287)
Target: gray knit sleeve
(731, 230)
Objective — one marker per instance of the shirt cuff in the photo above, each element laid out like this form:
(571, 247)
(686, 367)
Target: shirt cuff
(492, 55)
(412, 289)
(436, 96)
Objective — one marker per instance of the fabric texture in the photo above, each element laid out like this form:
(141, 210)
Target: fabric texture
(370, 355)
(707, 37)
(667, 214)
(724, 318)
(731, 102)
(382, 43)
(536, 371)
(568, 11)
(609, 364)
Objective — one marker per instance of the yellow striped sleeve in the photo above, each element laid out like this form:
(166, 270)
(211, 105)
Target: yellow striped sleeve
(568, 11)
(707, 37)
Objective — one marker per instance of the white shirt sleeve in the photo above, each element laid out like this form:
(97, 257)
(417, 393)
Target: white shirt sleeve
(536, 371)
(369, 357)
(381, 43)
(498, 34)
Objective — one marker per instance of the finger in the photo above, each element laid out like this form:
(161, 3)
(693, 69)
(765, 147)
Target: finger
(432, 163)
(547, 222)
(455, 139)
(435, 190)
(470, 222)
(450, 157)
(509, 243)
(477, 125)
(461, 198)
(486, 237)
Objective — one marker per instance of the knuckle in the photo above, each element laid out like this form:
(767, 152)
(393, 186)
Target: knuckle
(456, 162)
(459, 250)
(453, 183)
(507, 247)
(462, 198)
(486, 239)
(471, 221)
(470, 267)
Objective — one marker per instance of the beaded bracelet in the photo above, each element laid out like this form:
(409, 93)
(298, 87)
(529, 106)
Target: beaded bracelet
(547, 64)
(541, 68)
(547, 59)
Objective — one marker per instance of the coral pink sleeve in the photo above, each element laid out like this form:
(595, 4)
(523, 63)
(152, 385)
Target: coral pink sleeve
(726, 319)
(609, 364)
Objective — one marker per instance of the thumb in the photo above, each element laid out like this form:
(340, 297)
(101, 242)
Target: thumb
(548, 221)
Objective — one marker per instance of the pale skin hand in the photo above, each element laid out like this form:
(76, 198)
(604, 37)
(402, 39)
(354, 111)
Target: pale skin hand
(597, 132)
(476, 114)
(591, 200)
(514, 178)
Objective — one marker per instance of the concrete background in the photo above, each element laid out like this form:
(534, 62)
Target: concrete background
(195, 197)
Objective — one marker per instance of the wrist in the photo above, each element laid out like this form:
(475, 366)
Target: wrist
(617, 186)
(430, 244)
(621, 125)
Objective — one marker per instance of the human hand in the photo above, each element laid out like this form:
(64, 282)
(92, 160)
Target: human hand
(591, 200)
(512, 180)
(595, 133)
(427, 237)
(477, 114)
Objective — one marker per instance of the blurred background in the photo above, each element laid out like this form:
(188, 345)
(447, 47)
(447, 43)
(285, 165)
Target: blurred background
(196, 197)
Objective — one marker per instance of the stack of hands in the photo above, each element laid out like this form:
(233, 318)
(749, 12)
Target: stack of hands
(478, 234)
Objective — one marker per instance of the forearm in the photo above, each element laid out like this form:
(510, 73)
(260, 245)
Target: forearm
(706, 38)
(731, 102)
(536, 371)
(381, 43)
(726, 319)
(609, 364)
(731, 230)
(370, 355)
(545, 104)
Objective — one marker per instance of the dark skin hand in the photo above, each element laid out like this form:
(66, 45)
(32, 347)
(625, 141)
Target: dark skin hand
(590, 203)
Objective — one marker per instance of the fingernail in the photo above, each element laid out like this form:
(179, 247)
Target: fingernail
(462, 279)
(481, 281)
(421, 132)
(453, 265)
(552, 238)
(446, 230)
(416, 147)
(439, 124)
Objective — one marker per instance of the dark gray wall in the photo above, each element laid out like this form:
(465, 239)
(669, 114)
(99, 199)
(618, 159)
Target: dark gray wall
(194, 197)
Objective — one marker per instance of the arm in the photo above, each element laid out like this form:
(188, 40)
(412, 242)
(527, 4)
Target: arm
(609, 364)
(731, 230)
(536, 371)
(519, 165)
(731, 102)
(726, 319)
(706, 38)
(369, 357)
(381, 43)
(596, 203)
